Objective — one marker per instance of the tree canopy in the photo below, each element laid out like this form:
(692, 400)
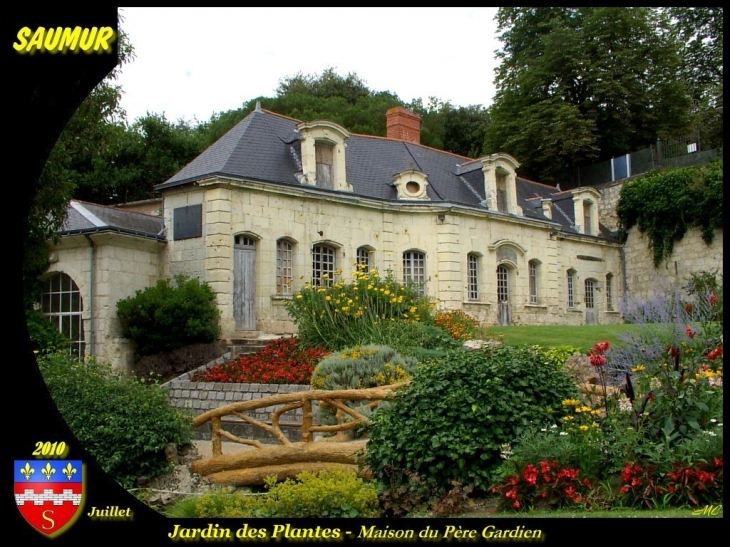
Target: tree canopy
(577, 85)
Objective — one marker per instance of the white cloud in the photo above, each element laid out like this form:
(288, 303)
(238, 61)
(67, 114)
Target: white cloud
(192, 62)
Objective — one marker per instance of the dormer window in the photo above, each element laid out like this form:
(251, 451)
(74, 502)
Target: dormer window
(412, 185)
(585, 209)
(323, 155)
(500, 183)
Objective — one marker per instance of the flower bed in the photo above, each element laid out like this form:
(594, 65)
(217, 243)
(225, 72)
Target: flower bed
(282, 361)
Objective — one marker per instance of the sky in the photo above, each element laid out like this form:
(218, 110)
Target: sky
(193, 62)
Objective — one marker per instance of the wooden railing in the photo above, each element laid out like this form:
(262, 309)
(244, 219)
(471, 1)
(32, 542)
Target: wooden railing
(288, 458)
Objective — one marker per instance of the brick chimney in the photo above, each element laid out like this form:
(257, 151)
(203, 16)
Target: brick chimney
(403, 125)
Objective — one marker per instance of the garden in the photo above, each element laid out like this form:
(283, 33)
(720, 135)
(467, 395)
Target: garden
(632, 423)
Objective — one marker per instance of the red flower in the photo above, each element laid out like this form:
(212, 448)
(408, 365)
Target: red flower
(689, 308)
(597, 360)
(714, 299)
(516, 504)
(673, 351)
(602, 346)
(690, 332)
(718, 462)
(671, 489)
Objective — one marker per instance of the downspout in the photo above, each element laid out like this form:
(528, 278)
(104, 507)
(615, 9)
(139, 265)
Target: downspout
(92, 281)
(622, 258)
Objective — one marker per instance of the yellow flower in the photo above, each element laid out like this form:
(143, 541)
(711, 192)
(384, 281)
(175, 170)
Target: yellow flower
(299, 296)
(584, 428)
(638, 368)
(568, 418)
(571, 402)
(413, 309)
(328, 298)
(325, 276)
(321, 289)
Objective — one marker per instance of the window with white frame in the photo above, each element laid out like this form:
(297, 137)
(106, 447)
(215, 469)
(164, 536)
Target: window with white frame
(61, 303)
(609, 292)
(472, 276)
(284, 266)
(532, 277)
(323, 265)
(590, 301)
(363, 258)
(571, 288)
(414, 270)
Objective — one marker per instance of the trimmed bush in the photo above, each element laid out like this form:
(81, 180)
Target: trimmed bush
(448, 424)
(170, 315)
(333, 493)
(362, 367)
(123, 423)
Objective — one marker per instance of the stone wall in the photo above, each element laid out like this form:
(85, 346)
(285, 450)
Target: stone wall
(691, 254)
(200, 397)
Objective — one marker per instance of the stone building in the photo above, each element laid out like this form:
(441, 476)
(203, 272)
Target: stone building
(277, 202)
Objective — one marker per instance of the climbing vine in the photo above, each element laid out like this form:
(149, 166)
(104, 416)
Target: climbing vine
(665, 204)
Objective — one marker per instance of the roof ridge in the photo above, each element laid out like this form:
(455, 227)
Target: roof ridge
(276, 114)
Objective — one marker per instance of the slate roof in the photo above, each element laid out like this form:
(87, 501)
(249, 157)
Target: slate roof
(264, 147)
(83, 217)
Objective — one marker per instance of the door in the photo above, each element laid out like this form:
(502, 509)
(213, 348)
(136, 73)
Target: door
(244, 267)
(590, 302)
(503, 307)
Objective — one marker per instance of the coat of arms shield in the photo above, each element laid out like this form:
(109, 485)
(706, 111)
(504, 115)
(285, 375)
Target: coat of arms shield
(49, 493)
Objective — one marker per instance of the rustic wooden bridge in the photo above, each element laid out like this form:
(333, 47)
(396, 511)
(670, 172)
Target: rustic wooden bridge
(287, 459)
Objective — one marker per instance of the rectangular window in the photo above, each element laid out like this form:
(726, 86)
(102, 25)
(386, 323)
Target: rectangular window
(533, 282)
(571, 297)
(324, 157)
(587, 222)
(187, 222)
(414, 270)
(609, 292)
(501, 193)
(473, 277)
(323, 266)
(590, 302)
(284, 267)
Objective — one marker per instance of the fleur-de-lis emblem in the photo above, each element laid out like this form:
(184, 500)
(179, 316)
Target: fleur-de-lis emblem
(48, 471)
(27, 471)
(69, 471)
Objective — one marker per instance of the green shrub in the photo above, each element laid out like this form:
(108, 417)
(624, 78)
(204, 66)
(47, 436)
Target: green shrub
(123, 423)
(458, 324)
(361, 368)
(170, 315)
(44, 335)
(558, 355)
(449, 422)
(416, 338)
(346, 314)
(333, 493)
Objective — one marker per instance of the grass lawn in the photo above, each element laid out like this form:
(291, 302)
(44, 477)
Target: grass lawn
(581, 336)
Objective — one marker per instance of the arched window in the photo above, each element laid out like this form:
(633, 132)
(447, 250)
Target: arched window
(414, 270)
(323, 265)
(61, 303)
(284, 266)
(571, 288)
(363, 258)
(472, 276)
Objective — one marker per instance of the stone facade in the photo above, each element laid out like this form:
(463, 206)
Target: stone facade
(446, 236)
(113, 269)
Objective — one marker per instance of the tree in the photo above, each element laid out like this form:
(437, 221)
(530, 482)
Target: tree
(583, 84)
(89, 133)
